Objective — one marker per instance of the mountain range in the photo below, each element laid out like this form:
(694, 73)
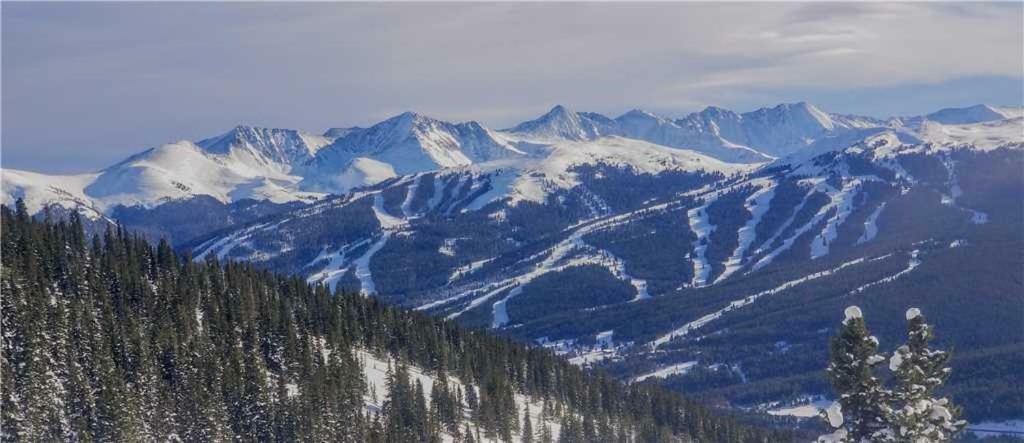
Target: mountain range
(281, 165)
(710, 253)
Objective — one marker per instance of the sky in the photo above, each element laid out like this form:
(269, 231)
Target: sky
(86, 84)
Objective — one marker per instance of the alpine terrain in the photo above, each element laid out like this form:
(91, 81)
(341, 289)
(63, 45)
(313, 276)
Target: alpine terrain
(709, 253)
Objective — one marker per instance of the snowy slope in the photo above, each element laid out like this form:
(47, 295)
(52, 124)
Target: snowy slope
(555, 171)
(265, 147)
(707, 139)
(404, 144)
(776, 131)
(563, 124)
(173, 171)
(982, 135)
(40, 190)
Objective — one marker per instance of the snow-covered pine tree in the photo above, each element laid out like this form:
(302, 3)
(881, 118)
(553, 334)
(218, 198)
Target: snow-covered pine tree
(861, 411)
(917, 415)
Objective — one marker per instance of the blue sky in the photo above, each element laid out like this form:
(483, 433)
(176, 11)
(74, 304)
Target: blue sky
(85, 85)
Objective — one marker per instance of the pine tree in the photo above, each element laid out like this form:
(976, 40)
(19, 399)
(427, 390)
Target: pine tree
(400, 420)
(920, 370)
(862, 408)
(527, 434)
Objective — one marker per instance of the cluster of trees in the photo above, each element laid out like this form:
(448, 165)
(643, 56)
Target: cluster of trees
(624, 188)
(570, 290)
(179, 221)
(869, 410)
(654, 246)
(111, 338)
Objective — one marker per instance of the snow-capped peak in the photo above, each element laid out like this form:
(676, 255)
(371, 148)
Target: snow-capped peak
(283, 146)
(972, 114)
(563, 123)
(639, 113)
(637, 122)
(404, 144)
(801, 117)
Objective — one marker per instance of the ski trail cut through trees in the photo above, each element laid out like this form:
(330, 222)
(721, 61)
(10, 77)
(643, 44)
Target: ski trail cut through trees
(757, 205)
(915, 261)
(702, 228)
(736, 304)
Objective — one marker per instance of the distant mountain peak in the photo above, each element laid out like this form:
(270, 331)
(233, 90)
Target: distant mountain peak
(971, 114)
(336, 133)
(563, 123)
(284, 146)
(559, 109)
(639, 113)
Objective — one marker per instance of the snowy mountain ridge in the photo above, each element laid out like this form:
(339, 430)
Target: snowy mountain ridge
(281, 165)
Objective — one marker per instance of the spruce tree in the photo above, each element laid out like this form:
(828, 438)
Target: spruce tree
(917, 415)
(861, 411)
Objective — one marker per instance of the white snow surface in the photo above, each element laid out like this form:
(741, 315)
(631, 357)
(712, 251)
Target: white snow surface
(539, 176)
(835, 414)
(667, 371)
(702, 229)
(913, 313)
(852, 313)
(842, 203)
(897, 358)
(410, 193)
(174, 171)
(812, 408)
(871, 225)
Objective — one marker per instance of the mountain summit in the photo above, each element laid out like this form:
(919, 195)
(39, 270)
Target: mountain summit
(972, 114)
(563, 123)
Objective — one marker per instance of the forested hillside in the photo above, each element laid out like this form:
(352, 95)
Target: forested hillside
(110, 338)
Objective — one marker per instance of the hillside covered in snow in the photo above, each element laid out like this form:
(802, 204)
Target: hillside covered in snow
(706, 253)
